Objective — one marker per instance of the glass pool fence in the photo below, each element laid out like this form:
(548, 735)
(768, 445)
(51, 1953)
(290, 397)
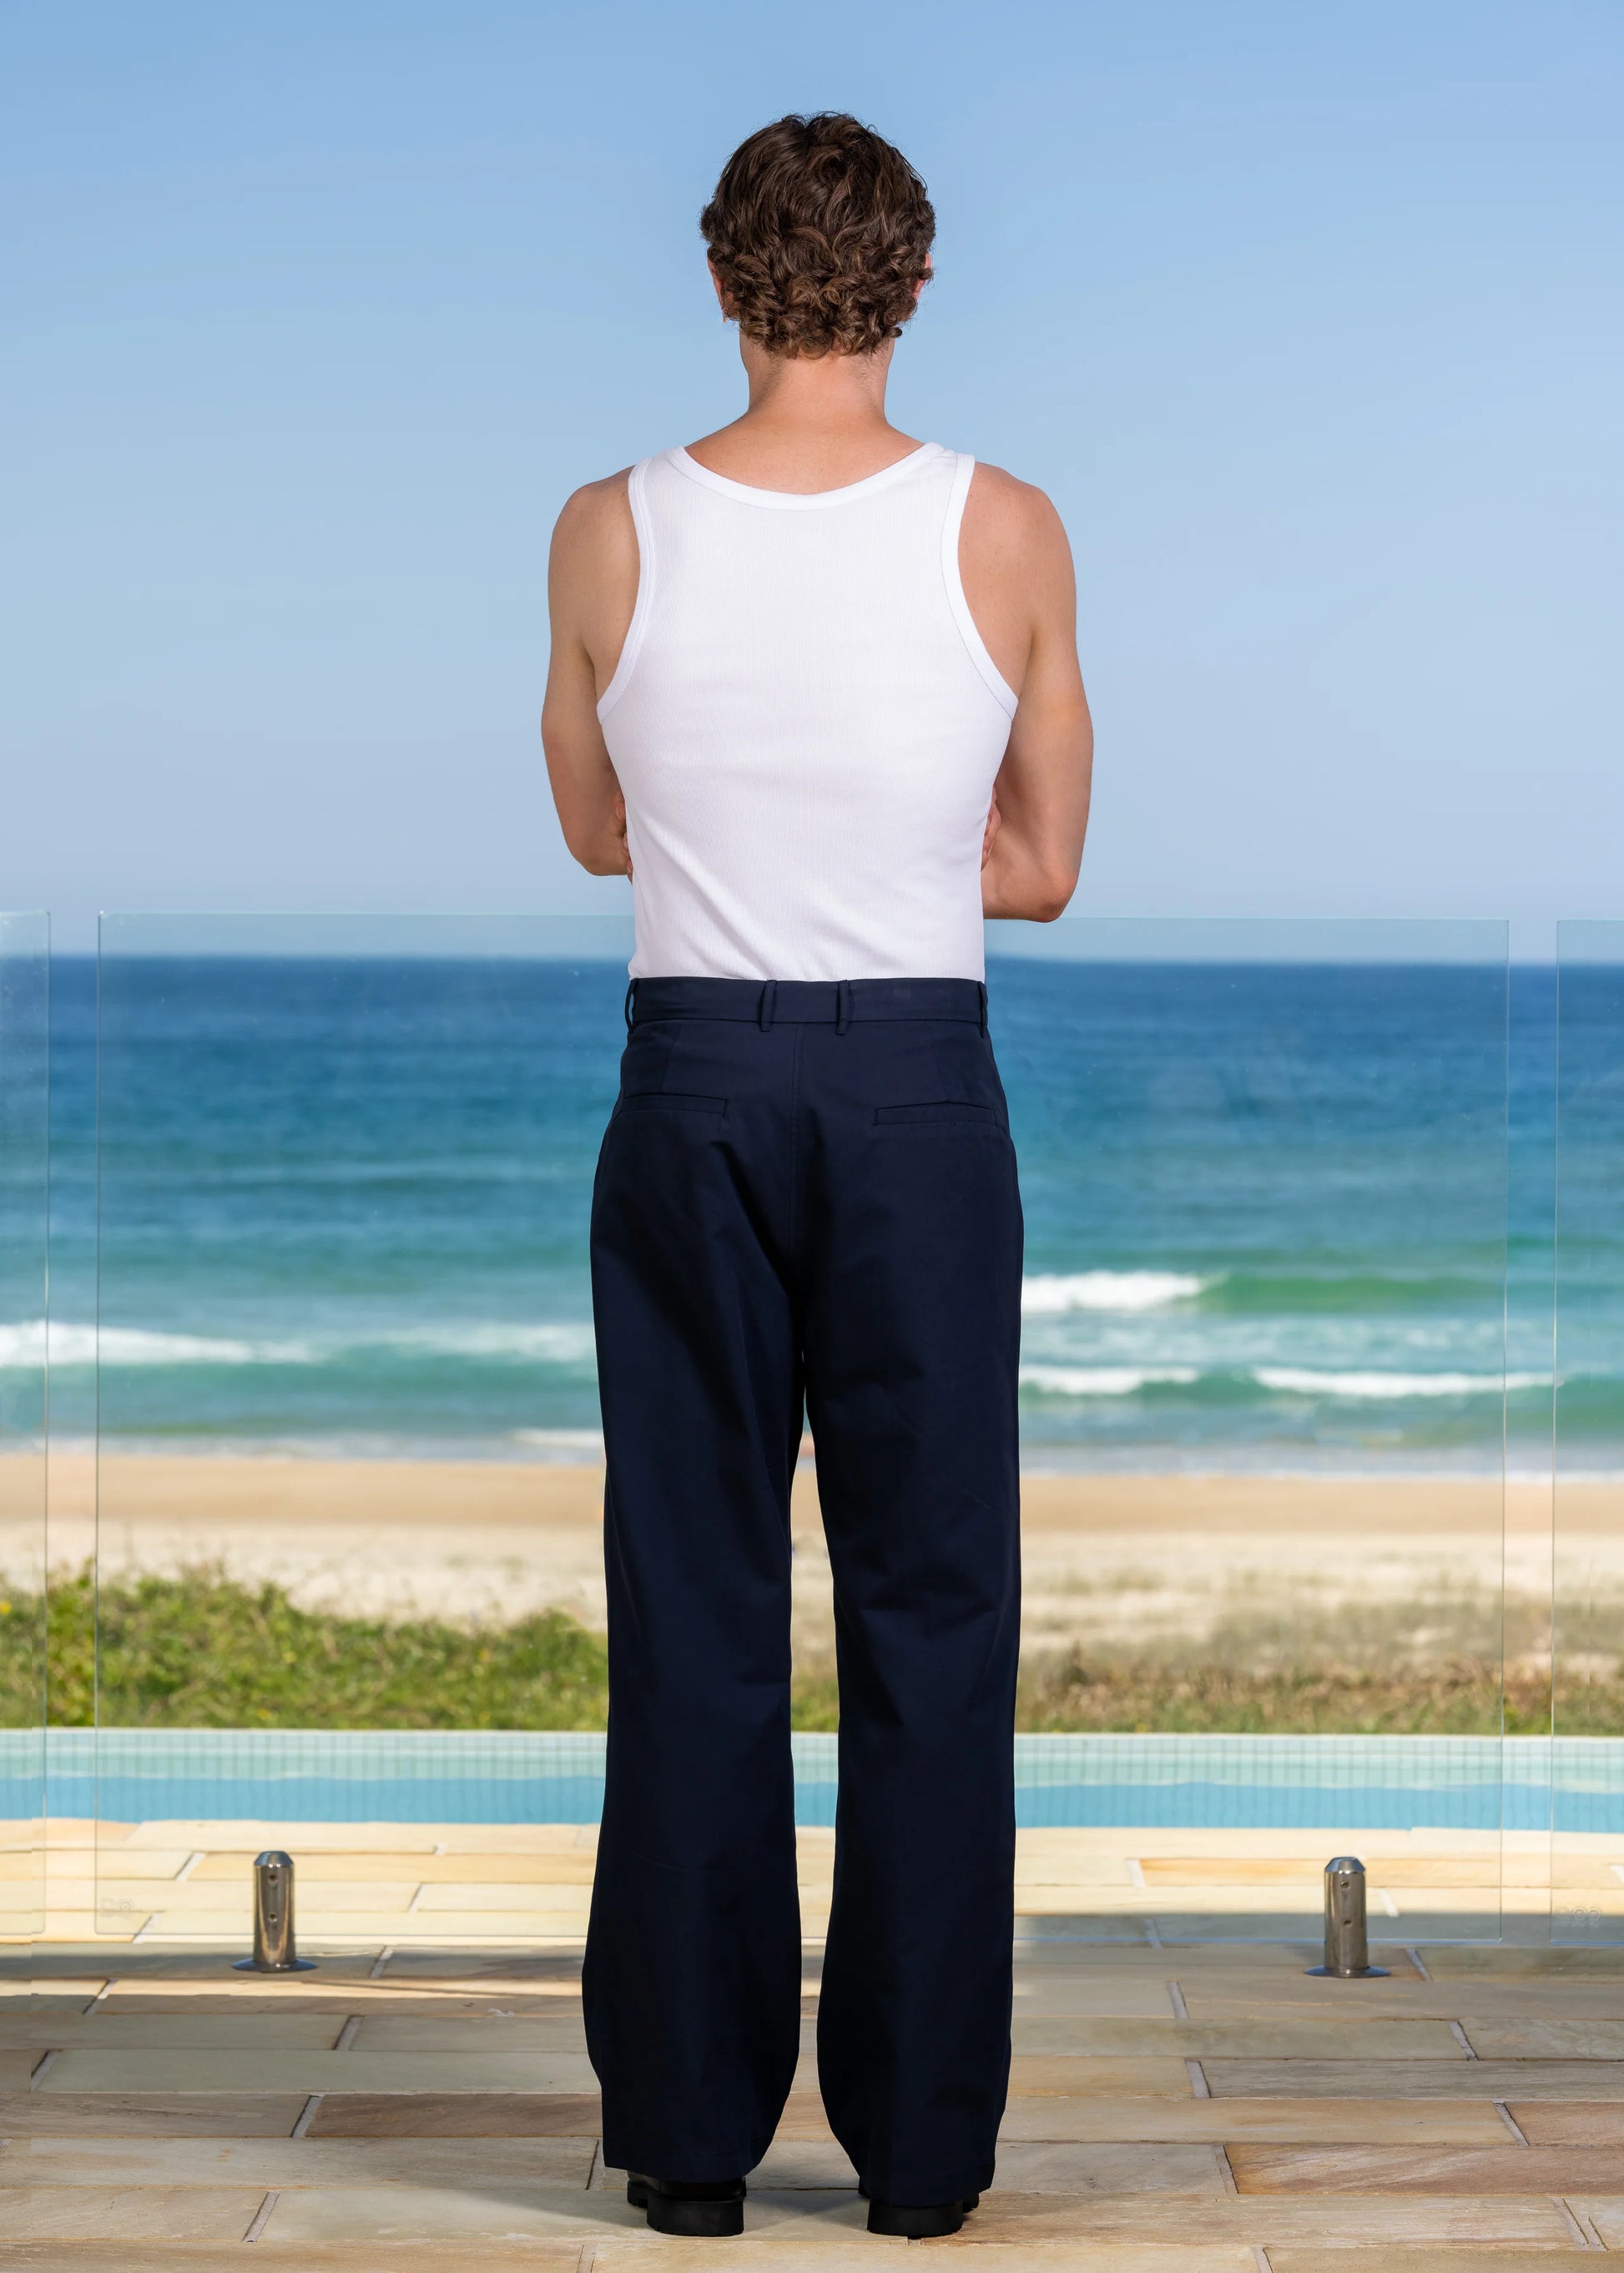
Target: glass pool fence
(345, 1581)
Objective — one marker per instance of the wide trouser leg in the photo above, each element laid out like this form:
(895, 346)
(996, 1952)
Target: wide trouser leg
(692, 1979)
(912, 1349)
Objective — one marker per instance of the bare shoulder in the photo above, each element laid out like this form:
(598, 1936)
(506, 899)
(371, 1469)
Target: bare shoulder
(1010, 518)
(596, 517)
(593, 573)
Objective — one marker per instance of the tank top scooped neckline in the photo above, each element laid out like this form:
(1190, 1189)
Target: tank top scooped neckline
(806, 727)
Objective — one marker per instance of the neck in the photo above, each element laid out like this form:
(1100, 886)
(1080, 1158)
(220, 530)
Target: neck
(810, 424)
(827, 397)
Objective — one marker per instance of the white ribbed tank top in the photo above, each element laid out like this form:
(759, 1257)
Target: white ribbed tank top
(806, 727)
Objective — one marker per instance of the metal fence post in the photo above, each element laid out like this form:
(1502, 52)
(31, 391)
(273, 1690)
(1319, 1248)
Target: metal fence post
(1347, 1942)
(274, 1948)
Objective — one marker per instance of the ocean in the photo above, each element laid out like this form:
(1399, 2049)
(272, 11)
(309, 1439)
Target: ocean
(1280, 1215)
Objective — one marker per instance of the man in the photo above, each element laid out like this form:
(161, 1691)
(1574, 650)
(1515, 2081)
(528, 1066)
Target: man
(815, 690)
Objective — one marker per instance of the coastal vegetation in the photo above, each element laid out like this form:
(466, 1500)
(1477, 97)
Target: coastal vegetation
(203, 1650)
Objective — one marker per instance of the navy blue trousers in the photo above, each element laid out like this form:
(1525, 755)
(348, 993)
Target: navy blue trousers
(806, 1200)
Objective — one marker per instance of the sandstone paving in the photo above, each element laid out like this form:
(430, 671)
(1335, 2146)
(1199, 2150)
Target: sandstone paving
(1290, 2258)
(184, 2032)
(1334, 2037)
(518, 2114)
(1185, 2099)
(775, 2250)
(493, 1966)
(1496, 2002)
(785, 2251)
(518, 1900)
(503, 2213)
(500, 2031)
(1464, 2079)
(768, 2253)
(1605, 2216)
(248, 1839)
(500, 1867)
(1460, 2123)
(1571, 2124)
(1077, 2073)
(172, 1966)
(268, 2163)
(1094, 1996)
(230, 1992)
(258, 2256)
(474, 1928)
(1466, 1962)
(1113, 2168)
(148, 2115)
(176, 2213)
(1293, 2170)
(1262, 2219)
(1565, 2038)
(80, 2070)
(1061, 2168)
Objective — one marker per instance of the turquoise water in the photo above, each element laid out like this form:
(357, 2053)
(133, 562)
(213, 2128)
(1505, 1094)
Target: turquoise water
(1309, 1782)
(343, 1206)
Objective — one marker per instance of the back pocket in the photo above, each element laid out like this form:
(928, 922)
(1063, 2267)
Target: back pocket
(665, 1100)
(949, 1113)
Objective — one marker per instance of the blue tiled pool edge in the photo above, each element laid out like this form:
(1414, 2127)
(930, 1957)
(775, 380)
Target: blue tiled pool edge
(1526, 1784)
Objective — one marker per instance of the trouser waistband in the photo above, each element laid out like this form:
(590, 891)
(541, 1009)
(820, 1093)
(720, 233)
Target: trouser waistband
(836, 1002)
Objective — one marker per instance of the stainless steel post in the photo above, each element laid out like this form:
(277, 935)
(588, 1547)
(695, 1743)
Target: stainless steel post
(1346, 1944)
(274, 1949)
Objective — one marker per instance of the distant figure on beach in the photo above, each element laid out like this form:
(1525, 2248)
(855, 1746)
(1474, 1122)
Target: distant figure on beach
(815, 690)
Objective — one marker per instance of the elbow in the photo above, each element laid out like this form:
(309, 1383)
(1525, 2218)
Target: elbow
(587, 849)
(578, 843)
(1052, 892)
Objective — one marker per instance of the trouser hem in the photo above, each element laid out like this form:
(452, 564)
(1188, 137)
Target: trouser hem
(656, 2163)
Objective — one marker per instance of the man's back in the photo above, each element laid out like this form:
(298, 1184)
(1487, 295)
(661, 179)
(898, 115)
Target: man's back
(806, 727)
(814, 685)
(817, 430)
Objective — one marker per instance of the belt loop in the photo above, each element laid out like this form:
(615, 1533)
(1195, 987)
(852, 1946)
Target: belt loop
(843, 1005)
(983, 995)
(765, 1008)
(631, 1004)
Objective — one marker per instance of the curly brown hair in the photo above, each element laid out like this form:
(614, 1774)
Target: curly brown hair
(819, 233)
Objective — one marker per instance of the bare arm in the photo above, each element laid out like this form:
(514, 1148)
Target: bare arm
(591, 591)
(1016, 567)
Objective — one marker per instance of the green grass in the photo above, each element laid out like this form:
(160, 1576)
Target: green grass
(1461, 1697)
(202, 1651)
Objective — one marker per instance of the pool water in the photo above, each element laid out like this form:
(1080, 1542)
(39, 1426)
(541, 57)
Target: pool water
(1466, 1783)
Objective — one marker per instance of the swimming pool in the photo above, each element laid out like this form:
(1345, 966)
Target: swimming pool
(1468, 1783)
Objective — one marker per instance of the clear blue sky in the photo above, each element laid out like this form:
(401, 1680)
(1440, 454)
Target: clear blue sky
(1308, 317)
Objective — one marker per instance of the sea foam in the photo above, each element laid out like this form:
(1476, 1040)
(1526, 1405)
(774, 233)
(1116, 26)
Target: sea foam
(1047, 1295)
(1104, 1380)
(1302, 1381)
(74, 1343)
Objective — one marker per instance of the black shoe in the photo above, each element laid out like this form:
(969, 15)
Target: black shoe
(710, 2208)
(919, 2221)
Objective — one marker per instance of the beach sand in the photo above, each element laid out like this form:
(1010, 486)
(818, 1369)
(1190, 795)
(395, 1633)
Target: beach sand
(1129, 1561)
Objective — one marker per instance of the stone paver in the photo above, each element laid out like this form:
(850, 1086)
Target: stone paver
(1184, 2099)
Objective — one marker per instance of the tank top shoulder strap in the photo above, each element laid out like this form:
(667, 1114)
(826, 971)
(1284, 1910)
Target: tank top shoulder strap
(997, 685)
(637, 496)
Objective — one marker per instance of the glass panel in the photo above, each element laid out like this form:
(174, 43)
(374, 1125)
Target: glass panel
(350, 1459)
(24, 967)
(350, 1548)
(1265, 1175)
(1529, 1311)
(1587, 1718)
